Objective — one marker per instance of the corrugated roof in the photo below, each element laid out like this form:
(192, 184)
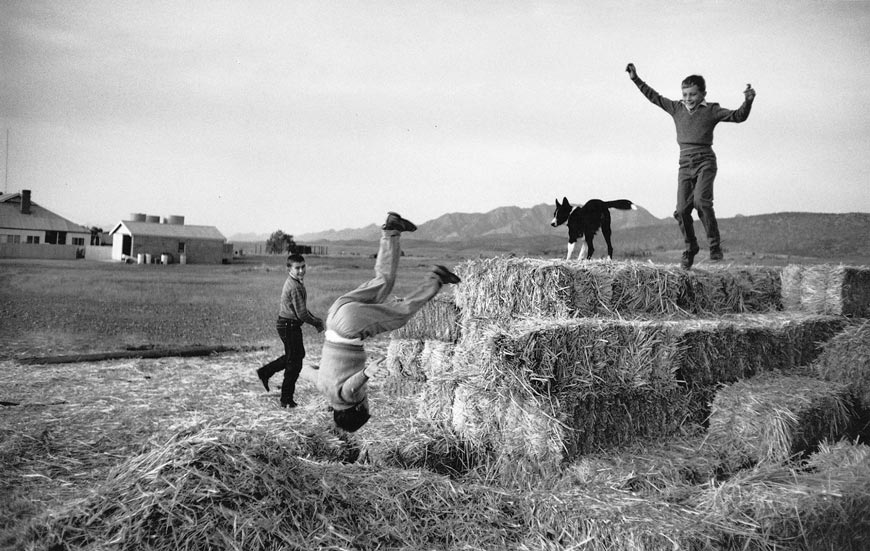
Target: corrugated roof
(39, 219)
(185, 231)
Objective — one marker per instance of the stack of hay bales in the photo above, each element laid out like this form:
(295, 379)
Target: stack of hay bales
(422, 351)
(549, 360)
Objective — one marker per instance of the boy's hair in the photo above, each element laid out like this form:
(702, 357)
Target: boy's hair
(295, 258)
(351, 419)
(695, 80)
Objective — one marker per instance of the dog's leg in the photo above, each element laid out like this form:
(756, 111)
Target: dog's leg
(605, 231)
(570, 251)
(585, 253)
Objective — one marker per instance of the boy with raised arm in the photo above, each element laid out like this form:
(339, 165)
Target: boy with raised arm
(695, 120)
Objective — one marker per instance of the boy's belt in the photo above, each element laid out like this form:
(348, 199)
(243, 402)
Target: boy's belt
(290, 322)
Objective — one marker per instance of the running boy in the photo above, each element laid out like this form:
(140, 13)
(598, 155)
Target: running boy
(292, 313)
(365, 312)
(695, 120)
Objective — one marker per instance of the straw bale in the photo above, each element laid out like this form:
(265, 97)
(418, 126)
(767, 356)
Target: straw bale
(559, 355)
(733, 347)
(551, 356)
(846, 359)
(733, 289)
(827, 289)
(504, 287)
(437, 320)
(413, 365)
(403, 359)
(500, 289)
(782, 506)
(774, 416)
(623, 416)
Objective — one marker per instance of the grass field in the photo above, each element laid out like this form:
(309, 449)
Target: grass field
(57, 307)
(82, 444)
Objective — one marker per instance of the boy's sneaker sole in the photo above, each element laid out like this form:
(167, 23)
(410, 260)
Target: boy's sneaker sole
(446, 276)
(396, 222)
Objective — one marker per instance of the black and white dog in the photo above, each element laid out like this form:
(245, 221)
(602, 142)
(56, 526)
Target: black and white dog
(586, 220)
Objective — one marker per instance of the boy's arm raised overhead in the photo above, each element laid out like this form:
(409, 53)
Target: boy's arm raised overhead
(742, 112)
(668, 105)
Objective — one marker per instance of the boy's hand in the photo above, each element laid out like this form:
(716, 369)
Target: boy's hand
(749, 93)
(632, 72)
(375, 367)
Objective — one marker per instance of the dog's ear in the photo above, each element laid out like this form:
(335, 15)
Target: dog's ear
(565, 200)
(557, 202)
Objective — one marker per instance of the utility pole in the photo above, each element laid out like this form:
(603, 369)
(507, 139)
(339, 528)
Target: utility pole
(6, 177)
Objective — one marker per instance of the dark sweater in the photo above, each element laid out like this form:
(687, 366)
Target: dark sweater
(694, 128)
(293, 303)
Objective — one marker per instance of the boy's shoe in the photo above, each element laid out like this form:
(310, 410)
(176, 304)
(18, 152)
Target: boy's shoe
(716, 254)
(263, 379)
(689, 256)
(396, 222)
(446, 276)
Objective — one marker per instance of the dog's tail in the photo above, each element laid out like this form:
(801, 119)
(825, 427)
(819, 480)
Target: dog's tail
(621, 204)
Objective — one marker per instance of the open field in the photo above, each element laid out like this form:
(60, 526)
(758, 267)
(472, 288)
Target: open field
(64, 307)
(191, 453)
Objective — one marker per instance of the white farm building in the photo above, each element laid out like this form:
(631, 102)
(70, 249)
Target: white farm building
(145, 238)
(26, 228)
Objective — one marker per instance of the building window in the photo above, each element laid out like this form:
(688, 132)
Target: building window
(80, 241)
(55, 237)
(181, 248)
(14, 239)
(34, 239)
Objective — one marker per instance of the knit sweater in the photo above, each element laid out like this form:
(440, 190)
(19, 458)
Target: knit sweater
(341, 377)
(293, 303)
(695, 127)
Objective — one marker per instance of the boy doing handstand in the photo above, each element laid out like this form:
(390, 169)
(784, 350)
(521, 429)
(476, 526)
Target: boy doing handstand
(365, 312)
(695, 120)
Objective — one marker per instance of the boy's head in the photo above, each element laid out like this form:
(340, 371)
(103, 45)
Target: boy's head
(296, 266)
(352, 418)
(694, 90)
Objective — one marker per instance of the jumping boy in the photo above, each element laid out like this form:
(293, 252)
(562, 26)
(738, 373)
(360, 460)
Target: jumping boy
(292, 313)
(695, 120)
(365, 312)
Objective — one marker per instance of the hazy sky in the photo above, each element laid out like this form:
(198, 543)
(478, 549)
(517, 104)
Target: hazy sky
(305, 116)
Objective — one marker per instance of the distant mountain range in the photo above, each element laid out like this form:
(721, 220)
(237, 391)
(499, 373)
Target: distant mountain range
(500, 222)
(841, 237)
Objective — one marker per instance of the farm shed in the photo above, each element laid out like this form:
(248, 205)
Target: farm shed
(171, 241)
(26, 227)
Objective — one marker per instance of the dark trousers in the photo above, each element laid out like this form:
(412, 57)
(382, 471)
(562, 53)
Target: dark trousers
(291, 361)
(695, 190)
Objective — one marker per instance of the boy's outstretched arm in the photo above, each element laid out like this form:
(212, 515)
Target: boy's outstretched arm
(742, 113)
(668, 105)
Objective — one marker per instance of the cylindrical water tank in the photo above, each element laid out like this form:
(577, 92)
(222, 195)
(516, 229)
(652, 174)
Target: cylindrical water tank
(147, 258)
(165, 259)
(152, 218)
(182, 259)
(176, 220)
(137, 217)
(140, 258)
